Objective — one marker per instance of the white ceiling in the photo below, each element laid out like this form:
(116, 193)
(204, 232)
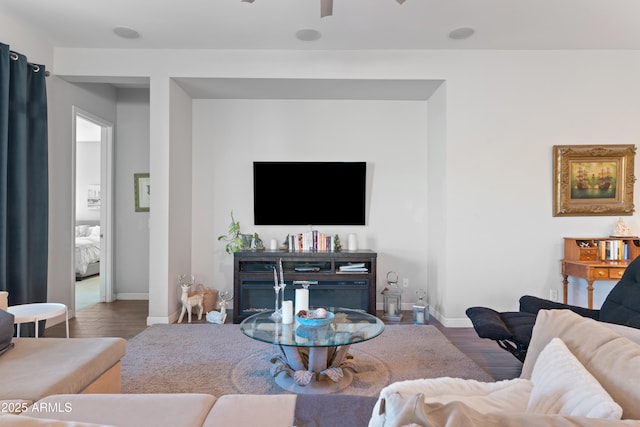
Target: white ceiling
(355, 24)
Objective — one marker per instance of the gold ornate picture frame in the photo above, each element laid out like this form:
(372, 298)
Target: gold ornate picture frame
(593, 180)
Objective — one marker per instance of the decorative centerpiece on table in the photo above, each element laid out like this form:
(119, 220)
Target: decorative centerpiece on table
(314, 318)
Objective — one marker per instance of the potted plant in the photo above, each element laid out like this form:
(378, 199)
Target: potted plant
(234, 239)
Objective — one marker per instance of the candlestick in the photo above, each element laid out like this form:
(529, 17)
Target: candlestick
(281, 272)
(277, 313)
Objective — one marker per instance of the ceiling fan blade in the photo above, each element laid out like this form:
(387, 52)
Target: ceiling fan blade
(326, 8)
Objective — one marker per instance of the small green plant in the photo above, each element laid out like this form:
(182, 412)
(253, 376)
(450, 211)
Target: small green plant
(233, 237)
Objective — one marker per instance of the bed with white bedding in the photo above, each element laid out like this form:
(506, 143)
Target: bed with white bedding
(87, 250)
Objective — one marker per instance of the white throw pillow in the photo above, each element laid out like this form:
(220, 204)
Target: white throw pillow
(94, 231)
(82, 230)
(561, 385)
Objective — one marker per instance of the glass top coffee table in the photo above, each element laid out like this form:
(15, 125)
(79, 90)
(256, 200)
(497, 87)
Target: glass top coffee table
(315, 359)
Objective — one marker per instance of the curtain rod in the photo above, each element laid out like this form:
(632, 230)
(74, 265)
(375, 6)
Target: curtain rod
(36, 67)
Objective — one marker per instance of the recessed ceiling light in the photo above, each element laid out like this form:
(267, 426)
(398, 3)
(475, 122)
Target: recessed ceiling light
(126, 32)
(461, 33)
(308, 34)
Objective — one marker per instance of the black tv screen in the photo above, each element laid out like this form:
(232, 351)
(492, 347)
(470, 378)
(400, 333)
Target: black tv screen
(309, 193)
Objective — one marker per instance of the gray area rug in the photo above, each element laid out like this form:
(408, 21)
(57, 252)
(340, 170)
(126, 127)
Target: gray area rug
(220, 359)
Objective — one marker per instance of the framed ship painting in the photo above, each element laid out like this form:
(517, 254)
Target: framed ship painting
(593, 180)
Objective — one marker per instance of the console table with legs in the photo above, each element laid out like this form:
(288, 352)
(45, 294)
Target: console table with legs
(331, 285)
(599, 258)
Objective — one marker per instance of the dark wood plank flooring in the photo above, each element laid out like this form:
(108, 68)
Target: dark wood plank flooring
(128, 318)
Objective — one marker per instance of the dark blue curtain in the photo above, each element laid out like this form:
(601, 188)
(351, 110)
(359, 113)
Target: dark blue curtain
(24, 199)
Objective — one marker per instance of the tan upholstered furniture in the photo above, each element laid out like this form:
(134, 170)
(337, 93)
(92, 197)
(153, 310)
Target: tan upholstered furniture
(188, 410)
(608, 353)
(36, 368)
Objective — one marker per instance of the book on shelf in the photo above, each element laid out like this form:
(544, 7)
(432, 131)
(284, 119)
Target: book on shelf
(613, 250)
(311, 241)
(353, 268)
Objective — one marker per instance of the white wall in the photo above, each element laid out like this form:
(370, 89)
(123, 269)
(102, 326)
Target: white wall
(181, 203)
(131, 231)
(504, 111)
(87, 173)
(391, 136)
(99, 100)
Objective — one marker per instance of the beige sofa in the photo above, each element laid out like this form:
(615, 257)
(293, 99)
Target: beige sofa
(610, 353)
(33, 369)
(577, 372)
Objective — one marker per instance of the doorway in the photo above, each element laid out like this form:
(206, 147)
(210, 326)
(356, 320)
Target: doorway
(92, 219)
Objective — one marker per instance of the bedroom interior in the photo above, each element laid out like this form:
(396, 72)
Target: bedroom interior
(87, 212)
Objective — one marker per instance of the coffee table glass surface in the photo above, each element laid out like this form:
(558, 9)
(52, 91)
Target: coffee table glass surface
(348, 327)
(313, 359)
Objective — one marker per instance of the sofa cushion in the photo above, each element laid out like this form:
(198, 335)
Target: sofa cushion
(275, 410)
(612, 359)
(6, 331)
(124, 410)
(14, 406)
(413, 411)
(25, 421)
(37, 368)
(561, 385)
(485, 397)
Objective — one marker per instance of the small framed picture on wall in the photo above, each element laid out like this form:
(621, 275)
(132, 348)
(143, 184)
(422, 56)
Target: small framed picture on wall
(142, 191)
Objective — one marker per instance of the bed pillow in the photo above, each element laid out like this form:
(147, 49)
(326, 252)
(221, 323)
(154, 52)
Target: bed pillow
(82, 230)
(6, 331)
(561, 385)
(94, 231)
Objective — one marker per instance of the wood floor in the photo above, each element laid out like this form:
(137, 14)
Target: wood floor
(128, 318)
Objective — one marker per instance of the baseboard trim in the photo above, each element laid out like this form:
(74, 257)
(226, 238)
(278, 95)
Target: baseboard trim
(132, 296)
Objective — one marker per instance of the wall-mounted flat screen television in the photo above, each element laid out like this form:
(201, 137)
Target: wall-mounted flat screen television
(309, 193)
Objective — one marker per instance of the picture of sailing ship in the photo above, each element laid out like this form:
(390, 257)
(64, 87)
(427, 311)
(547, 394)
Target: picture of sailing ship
(604, 179)
(593, 180)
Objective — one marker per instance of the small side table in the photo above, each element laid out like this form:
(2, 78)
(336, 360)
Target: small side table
(25, 313)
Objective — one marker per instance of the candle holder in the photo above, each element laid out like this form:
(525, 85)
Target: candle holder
(392, 299)
(277, 314)
(421, 309)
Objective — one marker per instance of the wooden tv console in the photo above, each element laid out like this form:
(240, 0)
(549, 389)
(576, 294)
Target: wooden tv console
(253, 280)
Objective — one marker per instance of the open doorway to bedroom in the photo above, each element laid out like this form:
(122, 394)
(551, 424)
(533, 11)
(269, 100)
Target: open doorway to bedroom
(92, 186)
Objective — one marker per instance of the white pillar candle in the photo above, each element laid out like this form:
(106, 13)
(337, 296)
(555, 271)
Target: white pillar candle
(287, 312)
(353, 242)
(302, 300)
(274, 245)
(392, 309)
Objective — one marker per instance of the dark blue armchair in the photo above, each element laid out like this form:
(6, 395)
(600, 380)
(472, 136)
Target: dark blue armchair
(512, 330)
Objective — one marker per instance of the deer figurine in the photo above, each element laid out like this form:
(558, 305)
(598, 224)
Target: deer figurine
(188, 302)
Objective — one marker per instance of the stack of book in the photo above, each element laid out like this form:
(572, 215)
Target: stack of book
(613, 250)
(358, 267)
(311, 241)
